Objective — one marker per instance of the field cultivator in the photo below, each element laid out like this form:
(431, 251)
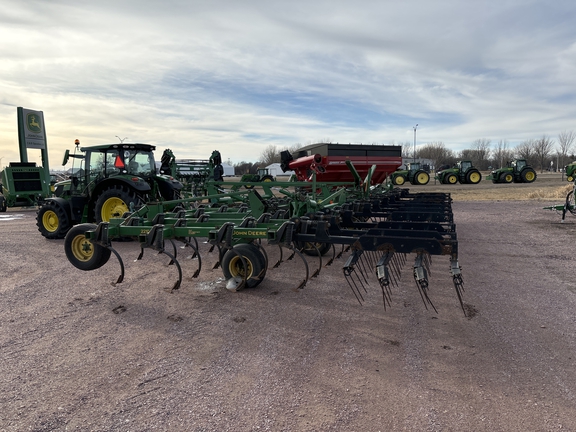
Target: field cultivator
(376, 227)
(569, 205)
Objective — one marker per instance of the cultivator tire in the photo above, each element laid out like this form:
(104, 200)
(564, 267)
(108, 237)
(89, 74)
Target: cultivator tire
(420, 178)
(506, 178)
(233, 265)
(451, 179)
(52, 221)
(473, 177)
(81, 252)
(528, 175)
(399, 180)
(115, 202)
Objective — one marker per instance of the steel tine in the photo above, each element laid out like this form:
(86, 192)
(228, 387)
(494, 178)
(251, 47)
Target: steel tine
(353, 287)
(121, 277)
(279, 259)
(331, 260)
(177, 264)
(196, 254)
(295, 251)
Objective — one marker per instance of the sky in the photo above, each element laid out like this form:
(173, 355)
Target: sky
(238, 76)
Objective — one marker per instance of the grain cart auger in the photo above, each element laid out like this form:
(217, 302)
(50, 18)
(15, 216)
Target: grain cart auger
(377, 227)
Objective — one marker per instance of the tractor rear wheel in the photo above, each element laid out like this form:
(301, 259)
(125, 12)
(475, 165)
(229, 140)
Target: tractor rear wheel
(399, 180)
(451, 179)
(528, 175)
(421, 178)
(255, 268)
(81, 252)
(114, 202)
(52, 221)
(473, 177)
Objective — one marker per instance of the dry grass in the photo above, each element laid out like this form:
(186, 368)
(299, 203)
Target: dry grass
(546, 193)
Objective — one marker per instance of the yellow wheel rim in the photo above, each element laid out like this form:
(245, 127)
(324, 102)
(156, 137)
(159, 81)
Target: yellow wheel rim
(570, 178)
(508, 178)
(475, 177)
(81, 248)
(452, 179)
(529, 176)
(399, 180)
(267, 180)
(50, 221)
(236, 267)
(423, 178)
(113, 207)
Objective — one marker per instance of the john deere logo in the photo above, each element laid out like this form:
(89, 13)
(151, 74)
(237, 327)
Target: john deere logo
(33, 123)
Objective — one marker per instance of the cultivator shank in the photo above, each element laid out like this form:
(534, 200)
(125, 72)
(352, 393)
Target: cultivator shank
(378, 228)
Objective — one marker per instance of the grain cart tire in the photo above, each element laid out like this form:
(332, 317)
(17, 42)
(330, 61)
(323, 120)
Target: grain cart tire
(114, 202)
(232, 265)
(451, 179)
(528, 175)
(420, 178)
(52, 221)
(2, 204)
(473, 177)
(308, 248)
(399, 180)
(506, 178)
(81, 252)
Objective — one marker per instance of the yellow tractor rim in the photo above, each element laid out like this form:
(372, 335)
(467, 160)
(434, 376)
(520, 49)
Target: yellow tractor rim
(508, 178)
(570, 178)
(475, 177)
(113, 207)
(236, 267)
(82, 248)
(452, 179)
(50, 221)
(423, 178)
(267, 179)
(529, 176)
(399, 180)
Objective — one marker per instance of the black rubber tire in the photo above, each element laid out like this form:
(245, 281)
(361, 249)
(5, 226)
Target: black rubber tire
(503, 177)
(399, 180)
(421, 178)
(105, 207)
(451, 179)
(81, 252)
(267, 178)
(232, 265)
(473, 176)
(528, 175)
(52, 221)
(308, 249)
(2, 204)
(570, 202)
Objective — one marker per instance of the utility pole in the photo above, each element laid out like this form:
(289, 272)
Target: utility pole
(415, 127)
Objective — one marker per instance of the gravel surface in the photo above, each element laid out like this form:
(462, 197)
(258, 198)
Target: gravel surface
(78, 353)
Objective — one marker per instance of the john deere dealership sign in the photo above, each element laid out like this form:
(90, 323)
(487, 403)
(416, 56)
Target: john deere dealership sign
(31, 128)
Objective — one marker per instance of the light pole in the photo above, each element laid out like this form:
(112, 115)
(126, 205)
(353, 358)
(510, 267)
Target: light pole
(415, 127)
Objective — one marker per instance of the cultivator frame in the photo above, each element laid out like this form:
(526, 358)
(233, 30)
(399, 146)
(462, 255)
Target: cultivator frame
(376, 225)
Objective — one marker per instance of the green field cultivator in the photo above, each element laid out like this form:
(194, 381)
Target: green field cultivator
(569, 205)
(372, 229)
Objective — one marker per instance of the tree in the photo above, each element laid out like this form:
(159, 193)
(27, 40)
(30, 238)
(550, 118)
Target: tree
(438, 153)
(501, 154)
(525, 150)
(565, 141)
(270, 155)
(482, 148)
(542, 150)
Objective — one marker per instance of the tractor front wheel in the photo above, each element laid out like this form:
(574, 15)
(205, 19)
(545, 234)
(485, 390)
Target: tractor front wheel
(452, 179)
(506, 178)
(114, 202)
(399, 180)
(252, 265)
(52, 221)
(81, 252)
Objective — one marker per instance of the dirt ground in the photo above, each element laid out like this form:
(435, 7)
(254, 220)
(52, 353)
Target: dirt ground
(78, 353)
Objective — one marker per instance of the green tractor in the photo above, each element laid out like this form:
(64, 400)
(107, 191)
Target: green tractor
(108, 181)
(570, 171)
(463, 172)
(517, 171)
(263, 175)
(413, 173)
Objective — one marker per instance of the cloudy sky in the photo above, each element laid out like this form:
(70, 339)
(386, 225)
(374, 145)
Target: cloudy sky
(238, 76)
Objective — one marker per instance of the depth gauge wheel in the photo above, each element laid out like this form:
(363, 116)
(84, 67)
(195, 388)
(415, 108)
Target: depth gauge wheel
(52, 221)
(233, 266)
(81, 252)
(114, 202)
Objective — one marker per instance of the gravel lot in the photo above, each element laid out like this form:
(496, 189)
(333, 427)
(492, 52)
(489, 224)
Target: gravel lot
(80, 354)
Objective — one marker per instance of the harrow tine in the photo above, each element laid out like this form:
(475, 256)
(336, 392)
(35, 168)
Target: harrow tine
(458, 282)
(421, 278)
(349, 270)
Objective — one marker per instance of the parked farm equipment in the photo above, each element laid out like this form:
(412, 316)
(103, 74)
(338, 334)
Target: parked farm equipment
(413, 173)
(463, 172)
(376, 226)
(107, 181)
(517, 171)
(569, 205)
(570, 171)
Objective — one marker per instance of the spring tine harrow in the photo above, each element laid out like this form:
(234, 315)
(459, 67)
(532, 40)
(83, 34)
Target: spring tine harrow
(349, 271)
(421, 278)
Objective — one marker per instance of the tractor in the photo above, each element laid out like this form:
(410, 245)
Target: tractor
(517, 171)
(413, 173)
(570, 171)
(108, 181)
(263, 175)
(463, 172)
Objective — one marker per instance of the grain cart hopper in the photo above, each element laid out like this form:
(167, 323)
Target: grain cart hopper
(23, 183)
(413, 173)
(328, 161)
(377, 228)
(105, 181)
(463, 172)
(517, 171)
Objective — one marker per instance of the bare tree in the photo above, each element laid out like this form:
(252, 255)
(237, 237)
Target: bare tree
(501, 154)
(543, 149)
(525, 150)
(269, 156)
(438, 153)
(482, 148)
(565, 141)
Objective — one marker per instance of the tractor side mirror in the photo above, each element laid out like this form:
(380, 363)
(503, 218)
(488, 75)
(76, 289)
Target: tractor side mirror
(66, 157)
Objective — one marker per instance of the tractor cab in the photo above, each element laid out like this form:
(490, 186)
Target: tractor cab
(519, 164)
(464, 166)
